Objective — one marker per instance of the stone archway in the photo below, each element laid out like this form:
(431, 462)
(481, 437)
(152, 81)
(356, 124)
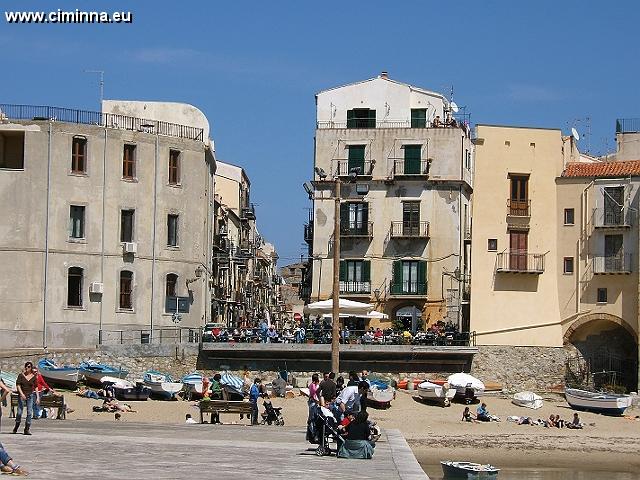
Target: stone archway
(604, 350)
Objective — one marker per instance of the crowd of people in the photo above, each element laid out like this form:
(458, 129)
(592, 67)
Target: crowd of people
(554, 421)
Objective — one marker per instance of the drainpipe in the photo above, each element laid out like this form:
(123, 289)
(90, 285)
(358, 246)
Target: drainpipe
(46, 244)
(104, 200)
(153, 248)
(584, 213)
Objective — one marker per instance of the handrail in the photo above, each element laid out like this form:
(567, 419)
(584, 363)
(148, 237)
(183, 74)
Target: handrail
(107, 120)
(520, 261)
(402, 229)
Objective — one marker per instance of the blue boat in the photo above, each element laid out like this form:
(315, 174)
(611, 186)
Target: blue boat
(93, 372)
(56, 375)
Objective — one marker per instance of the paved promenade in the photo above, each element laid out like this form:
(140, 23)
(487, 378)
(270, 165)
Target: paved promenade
(79, 449)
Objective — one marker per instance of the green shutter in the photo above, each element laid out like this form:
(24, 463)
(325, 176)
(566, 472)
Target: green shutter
(418, 117)
(396, 282)
(356, 158)
(351, 121)
(343, 271)
(412, 155)
(344, 216)
(422, 277)
(366, 270)
(365, 219)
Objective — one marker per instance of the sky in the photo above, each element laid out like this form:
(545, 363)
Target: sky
(254, 67)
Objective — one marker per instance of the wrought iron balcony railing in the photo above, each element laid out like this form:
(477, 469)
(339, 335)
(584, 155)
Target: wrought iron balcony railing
(355, 287)
(343, 167)
(356, 229)
(409, 229)
(518, 208)
(612, 217)
(407, 288)
(408, 167)
(520, 262)
(308, 233)
(628, 125)
(620, 263)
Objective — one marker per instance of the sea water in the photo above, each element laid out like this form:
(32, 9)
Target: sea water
(435, 473)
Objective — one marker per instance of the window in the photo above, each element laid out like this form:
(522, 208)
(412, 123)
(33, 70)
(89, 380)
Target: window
(127, 218)
(409, 277)
(361, 118)
(172, 282)
(355, 276)
(356, 159)
(126, 288)
(569, 214)
(418, 118)
(410, 219)
(568, 265)
(467, 159)
(79, 155)
(76, 221)
(74, 287)
(174, 167)
(12, 150)
(172, 230)
(519, 197)
(412, 163)
(518, 241)
(614, 253)
(602, 295)
(129, 161)
(354, 218)
(613, 205)
(492, 244)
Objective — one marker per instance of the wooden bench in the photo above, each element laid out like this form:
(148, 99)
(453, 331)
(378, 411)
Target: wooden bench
(47, 401)
(224, 406)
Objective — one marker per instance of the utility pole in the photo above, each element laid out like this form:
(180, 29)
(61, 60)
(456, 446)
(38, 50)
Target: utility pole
(335, 330)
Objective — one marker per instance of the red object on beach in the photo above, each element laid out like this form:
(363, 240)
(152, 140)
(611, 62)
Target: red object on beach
(402, 384)
(439, 381)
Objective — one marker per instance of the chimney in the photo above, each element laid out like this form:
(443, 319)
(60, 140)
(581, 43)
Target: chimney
(384, 74)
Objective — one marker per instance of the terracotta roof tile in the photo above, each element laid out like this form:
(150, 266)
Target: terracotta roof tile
(602, 169)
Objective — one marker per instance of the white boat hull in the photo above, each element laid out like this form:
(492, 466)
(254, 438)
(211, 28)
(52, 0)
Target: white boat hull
(597, 402)
(433, 392)
(469, 470)
(528, 400)
(62, 377)
(165, 388)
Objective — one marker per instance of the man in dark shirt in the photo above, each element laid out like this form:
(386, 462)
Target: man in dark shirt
(327, 388)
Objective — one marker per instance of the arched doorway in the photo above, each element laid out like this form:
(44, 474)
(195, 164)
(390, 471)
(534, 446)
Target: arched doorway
(604, 353)
(409, 317)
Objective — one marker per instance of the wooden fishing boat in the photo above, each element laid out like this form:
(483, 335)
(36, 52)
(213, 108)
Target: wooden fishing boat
(469, 470)
(161, 384)
(59, 376)
(93, 372)
(606, 403)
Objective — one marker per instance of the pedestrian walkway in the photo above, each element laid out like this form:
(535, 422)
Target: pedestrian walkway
(81, 450)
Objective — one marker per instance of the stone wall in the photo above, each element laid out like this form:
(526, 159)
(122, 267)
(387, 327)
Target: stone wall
(520, 368)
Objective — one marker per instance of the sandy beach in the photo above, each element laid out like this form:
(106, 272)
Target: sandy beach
(436, 433)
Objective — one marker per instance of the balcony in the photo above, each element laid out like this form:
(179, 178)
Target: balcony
(520, 262)
(612, 264)
(409, 230)
(356, 229)
(342, 167)
(519, 208)
(612, 218)
(407, 288)
(308, 233)
(355, 288)
(411, 168)
(248, 213)
(462, 122)
(628, 125)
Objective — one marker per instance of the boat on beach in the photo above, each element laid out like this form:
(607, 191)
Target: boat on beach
(528, 400)
(193, 385)
(468, 470)
(93, 372)
(433, 392)
(466, 385)
(126, 390)
(597, 402)
(9, 379)
(380, 394)
(60, 376)
(161, 384)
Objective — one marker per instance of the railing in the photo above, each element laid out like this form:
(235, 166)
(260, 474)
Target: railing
(341, 167)
(408, 167)
(356, 229)
(355, 287)
(462, 122)
(249, 213)
(143, 336)
(628, 125)
(520, 262)
(108, 120)
(612, 217)
(408, 288)
(519, 208)
(409, 229)
(308, 233)
(620, 263)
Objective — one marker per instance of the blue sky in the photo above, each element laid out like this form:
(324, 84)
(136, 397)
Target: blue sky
(254, 67)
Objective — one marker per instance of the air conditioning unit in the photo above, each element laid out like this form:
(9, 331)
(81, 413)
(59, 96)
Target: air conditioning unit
(96, 287)
(129, 247)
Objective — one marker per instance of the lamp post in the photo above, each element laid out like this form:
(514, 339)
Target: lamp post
(335, 327)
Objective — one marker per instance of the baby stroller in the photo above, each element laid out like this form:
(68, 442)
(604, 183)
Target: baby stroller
(321, 429)
(272, 415)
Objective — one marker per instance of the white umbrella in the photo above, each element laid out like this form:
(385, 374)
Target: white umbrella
(376, 314)
(464, 380)
(345, 306)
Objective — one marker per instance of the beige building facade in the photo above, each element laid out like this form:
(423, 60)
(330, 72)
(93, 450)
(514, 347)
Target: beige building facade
(405, 169)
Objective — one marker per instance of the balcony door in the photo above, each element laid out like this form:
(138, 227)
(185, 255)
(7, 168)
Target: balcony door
(409, 277)
(613, 202)
(354, 218)
(410, 219)
(355, 276)
(613, 253)
(519, 197)
(412, 154)
(356, 159)
(518, 250)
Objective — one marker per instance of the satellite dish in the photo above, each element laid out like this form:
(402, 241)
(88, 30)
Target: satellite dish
(575, 134)
(454, 107)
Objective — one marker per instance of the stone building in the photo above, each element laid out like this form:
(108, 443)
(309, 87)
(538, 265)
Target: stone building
(555, 247)
(405, 167)
(105, 225)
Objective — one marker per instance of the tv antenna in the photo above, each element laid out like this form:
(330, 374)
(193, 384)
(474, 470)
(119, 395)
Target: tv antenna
(100, 74)
(454, 107)
(575, 134)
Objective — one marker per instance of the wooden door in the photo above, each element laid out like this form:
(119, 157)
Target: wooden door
(519, 197)
(518, 250)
